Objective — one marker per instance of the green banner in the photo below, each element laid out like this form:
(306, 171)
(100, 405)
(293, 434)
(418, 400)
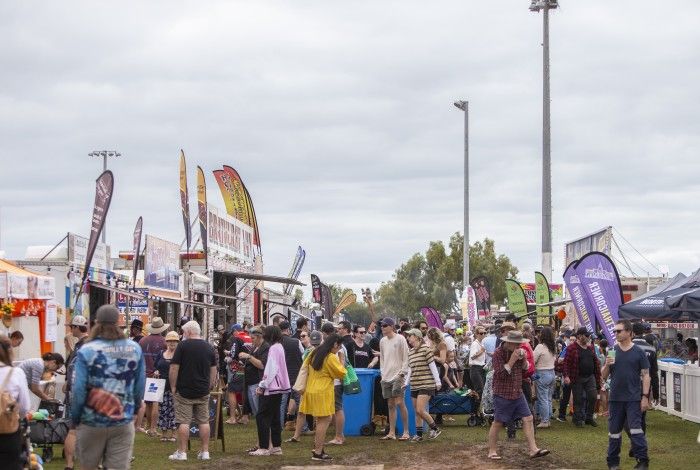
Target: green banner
(516, 298)
(542, 296)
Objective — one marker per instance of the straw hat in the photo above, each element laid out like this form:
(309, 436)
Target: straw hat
(172, 336)
(157, 326)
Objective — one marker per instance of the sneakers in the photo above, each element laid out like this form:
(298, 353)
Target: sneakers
(642, 465)
(592, 423)
(177, 455)
(276, 451)
(543, 424)
(321, 457)
(203, 455)
(434, 433)
(561, 419)
(259, 452)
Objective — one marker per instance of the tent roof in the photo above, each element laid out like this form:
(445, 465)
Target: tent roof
(664, 302)
(7, 267)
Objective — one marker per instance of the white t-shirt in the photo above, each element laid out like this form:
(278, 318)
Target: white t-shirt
(17, 386)
(450, 342)
(393, 357)
(475, 348)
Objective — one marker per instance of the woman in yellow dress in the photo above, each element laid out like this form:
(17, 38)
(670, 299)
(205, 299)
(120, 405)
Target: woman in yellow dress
(318, 399)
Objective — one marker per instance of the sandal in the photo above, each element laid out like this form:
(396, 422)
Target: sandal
(404, 438)
(539, 453)
(172, 439)
(335, 442)
(151, 433)
(292, 439)
(495, 457)
(387, 438)
(164, 439)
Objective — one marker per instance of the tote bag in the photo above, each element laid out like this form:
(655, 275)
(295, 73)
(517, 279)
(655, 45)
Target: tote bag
(300, 383)
(154, 390)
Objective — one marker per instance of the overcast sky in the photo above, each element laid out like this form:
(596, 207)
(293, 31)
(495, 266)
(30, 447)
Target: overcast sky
(339, 118)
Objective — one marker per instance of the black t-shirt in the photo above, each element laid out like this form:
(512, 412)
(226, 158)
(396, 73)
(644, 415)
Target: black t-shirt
(253, 375)
(195, 357)
(361, 356)
(585, 363)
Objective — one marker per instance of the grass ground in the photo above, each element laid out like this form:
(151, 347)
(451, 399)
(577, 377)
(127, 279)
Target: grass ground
(672, 444)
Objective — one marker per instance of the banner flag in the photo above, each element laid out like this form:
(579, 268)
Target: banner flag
(138, 230)
(346, 300)
(253, 219)
(234, 188)
(432, 317)
(601, 283)
(327, 304)
(516, 298)
(482, 289)
(584, 310)
(288, 287)
(542, 296)
(472, 308)
(226, 191)
(316, 290)
(202, 211)
(185, 200)
(104, 187)
(297, 271)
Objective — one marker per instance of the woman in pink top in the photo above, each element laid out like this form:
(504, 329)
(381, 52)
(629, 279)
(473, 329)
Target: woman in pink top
(274, 383)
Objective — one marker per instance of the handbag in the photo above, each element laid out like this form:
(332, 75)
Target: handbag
(9, 408)
(300, 382)
(351, 384)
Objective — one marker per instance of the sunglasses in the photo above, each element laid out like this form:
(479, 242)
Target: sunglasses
(617, 332)
(361, 332)
(304, 335)
(385, 326)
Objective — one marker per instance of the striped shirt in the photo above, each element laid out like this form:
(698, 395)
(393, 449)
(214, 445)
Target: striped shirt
(419, 360)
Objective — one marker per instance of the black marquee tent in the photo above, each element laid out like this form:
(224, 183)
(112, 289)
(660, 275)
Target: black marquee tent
(676, 300)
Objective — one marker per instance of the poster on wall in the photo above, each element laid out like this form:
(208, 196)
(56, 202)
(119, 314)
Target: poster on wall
(51, 328)
(162, 264)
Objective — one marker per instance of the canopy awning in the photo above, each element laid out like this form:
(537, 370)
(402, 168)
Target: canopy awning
(18, 283)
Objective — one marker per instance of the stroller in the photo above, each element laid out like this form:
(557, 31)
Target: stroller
(30, 460)
(44, 434)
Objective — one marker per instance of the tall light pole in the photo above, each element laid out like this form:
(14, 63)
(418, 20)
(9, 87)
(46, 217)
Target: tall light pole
(464, 106)
(104, 154)
(545, 6)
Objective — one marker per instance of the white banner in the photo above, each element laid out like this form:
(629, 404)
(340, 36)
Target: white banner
(228, 236)
(51, 322)
(77, 253)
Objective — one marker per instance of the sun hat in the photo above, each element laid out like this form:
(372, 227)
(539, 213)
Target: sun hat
(107, 314)
(508, 324)
(157, 326)
(315, 338)
(415, 332)
(172, 336)
(79, 320)
(514, 336)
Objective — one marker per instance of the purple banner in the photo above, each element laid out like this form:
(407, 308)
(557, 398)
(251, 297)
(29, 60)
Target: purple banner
(584, 310)
(601, 284)
(432, 317)
(137, 248)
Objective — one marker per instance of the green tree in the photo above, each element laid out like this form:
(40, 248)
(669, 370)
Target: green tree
(432, 279)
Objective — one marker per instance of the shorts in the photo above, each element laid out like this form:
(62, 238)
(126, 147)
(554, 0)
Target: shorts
(507, 411)
(427, 391)
(236, 382)
(111, 446)
(393, 389)
(338, 390)
(191, 409)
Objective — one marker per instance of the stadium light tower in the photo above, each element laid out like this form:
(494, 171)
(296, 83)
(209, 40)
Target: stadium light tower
(544, 6)
(464, 106)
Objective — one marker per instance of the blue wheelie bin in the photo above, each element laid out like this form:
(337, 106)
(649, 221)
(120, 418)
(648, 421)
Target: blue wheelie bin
(358, 407)
(411, 415)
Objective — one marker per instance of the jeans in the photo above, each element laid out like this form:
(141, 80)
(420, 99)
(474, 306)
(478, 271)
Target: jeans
(621, 412)
(584, 391)
(268, 421)
(545, 388)
(253, 400)
(284, 403)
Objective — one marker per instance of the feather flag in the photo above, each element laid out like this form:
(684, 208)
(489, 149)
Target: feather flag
(432, 317)
(346, 300)
(185, 200)
(202, 211)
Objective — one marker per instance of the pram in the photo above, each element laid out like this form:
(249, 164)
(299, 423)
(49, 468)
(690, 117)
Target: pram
(452, 403)
(44, 434)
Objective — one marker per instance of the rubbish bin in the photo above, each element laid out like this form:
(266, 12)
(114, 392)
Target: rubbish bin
(411, 415)
(358, 407)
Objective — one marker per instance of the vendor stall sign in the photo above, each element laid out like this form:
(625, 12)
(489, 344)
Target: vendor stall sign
(228, 236)
(77, 255)
(51, 328)
(678, 326)
(20, 286)
(677, 390)
(663, 391)
(137, 306)
(162, 264)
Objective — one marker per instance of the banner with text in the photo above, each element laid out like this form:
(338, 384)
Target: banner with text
(185, 200)
(161, 264)
(542, 296)
(228, 236)
(599, 241)
(583, 307)
(516, 298)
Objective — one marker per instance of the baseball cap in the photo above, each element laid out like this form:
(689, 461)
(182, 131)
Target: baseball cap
(415, 332)
(315, 338)
(108, 314)
(79, 320)
(236, 327)
(388, 321)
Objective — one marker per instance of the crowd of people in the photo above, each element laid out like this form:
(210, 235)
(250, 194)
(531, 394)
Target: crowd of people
(279, 377)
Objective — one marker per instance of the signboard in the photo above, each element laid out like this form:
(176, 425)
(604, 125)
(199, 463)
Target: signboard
(138, 306)
(598, 241)
(679, 326)
(216, 421)
(555, 290)
(77, 255)
(228, 236)
(51, 323)
(663, 398)
(20, 286)
(677, 388)
(162, 264)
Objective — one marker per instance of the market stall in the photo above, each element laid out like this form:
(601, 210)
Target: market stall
(29, 306)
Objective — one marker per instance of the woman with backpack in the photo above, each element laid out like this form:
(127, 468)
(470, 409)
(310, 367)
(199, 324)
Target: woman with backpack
(14, 402)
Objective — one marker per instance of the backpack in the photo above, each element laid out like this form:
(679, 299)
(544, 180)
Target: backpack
(9, 410)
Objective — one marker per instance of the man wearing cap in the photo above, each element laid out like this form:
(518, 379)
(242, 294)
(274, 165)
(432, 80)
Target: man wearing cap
(449, 335)
(79, 330)
(151, 346)
(108, 385)
(509, 366)
(136, 330)
(582, 372)
(393, 364)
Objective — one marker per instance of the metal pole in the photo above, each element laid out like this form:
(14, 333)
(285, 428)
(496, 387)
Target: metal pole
(466, 195)
(104, 227)
(546, 156)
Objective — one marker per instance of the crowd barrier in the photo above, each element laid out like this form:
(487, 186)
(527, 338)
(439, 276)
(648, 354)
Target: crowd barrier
(679, 390)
